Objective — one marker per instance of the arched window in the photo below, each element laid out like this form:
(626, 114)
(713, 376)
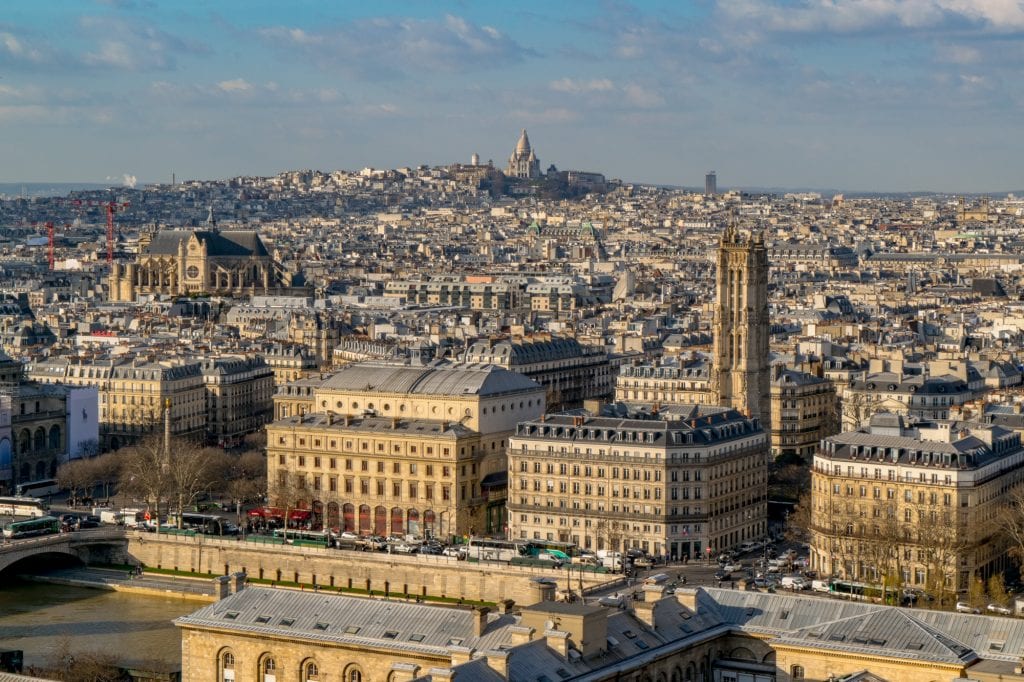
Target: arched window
(797, 672)
(355, 675)
(227, 666)
(268, 670)
(310, 672)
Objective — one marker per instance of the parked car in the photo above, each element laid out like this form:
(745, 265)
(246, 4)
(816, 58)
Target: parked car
(457, 552)
(722, 574)
(616, 600)
(999, 608)
(89, 521)
(735, 566)
(405, 548)
(643, 562)
(964, 607)
(348, 535)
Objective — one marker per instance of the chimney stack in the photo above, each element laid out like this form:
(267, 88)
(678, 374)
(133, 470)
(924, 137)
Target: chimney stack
(480, 620)
(497, 661)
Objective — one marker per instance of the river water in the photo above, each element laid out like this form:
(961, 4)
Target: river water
(40, 618)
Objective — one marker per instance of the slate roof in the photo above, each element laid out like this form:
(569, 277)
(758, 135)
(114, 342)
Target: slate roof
(445, 380)
(218, 243)
(356, 621)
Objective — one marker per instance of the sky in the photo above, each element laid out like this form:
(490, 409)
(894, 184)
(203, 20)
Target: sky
(855, 95)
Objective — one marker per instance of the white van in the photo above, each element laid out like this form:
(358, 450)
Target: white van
(795, 582)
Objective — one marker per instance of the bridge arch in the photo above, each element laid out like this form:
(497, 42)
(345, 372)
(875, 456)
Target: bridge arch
(14, 563)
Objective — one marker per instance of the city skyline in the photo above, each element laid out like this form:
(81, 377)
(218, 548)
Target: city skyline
(856, 96)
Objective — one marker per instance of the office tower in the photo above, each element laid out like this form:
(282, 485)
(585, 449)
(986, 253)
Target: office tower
(710, 184)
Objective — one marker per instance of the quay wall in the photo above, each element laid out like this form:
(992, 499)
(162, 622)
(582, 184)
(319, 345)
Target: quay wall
(417, 575)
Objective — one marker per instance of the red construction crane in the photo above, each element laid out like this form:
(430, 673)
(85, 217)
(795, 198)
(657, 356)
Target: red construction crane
(49, 243)
(112, 207)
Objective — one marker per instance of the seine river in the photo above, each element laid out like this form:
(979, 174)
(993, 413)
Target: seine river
(37, 618)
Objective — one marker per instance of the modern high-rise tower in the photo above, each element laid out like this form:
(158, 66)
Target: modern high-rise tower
(711, 183)
(741, 374)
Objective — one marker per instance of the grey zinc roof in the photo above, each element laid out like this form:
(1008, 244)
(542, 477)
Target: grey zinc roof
(870, 628)
(320, 616)
(226, 243)
(447, 380)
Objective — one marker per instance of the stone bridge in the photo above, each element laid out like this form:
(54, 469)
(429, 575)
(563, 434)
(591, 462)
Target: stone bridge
(91, 546)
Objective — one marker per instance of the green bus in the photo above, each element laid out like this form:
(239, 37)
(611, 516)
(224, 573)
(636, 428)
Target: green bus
(44, 525)
(304, 538)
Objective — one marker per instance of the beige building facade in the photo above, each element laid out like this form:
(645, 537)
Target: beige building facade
(911, 504)
(673, 487)
(804, 411)
(426, 442)
(383, 476)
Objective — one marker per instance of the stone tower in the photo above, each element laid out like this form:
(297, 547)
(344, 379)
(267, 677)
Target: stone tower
(741, 373)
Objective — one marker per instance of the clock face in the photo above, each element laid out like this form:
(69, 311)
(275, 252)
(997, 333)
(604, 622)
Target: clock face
(192, 272)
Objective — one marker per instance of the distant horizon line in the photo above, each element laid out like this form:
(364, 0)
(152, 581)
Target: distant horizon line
(770, 189)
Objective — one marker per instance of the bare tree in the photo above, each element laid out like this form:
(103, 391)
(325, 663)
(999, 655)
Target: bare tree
(1010, 523)
(288, 493)
(67, 665)
(145, 472)
(191, 471)
(798, 523)
(107, 470)
(75, 477)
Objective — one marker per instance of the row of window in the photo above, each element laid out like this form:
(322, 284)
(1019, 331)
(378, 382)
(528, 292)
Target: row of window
(397, 487)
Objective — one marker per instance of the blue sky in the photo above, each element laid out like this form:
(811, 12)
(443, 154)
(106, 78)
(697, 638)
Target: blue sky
(854, 95)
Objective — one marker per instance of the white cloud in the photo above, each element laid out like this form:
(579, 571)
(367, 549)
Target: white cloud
(850, 16)
(25, 50)
(549, 115)
(958, 54)
(384, 46)
(641, 97)
(112, 53)
(576, 87)
(236, 85)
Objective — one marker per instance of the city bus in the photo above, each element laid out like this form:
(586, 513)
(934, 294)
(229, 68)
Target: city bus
(42, 488)
(486, 549)
(23, 506)
(44, 525)
(207, 524)
(852, 590)
(563, 551)
(307, 538)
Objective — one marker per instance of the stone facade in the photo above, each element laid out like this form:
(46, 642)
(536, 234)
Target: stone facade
(741, 365)
(385, 476)
(187, 262)
(913, 504)
(671, 486)
(523, 163)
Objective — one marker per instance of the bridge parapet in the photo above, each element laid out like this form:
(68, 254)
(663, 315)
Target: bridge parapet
(93, 545)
